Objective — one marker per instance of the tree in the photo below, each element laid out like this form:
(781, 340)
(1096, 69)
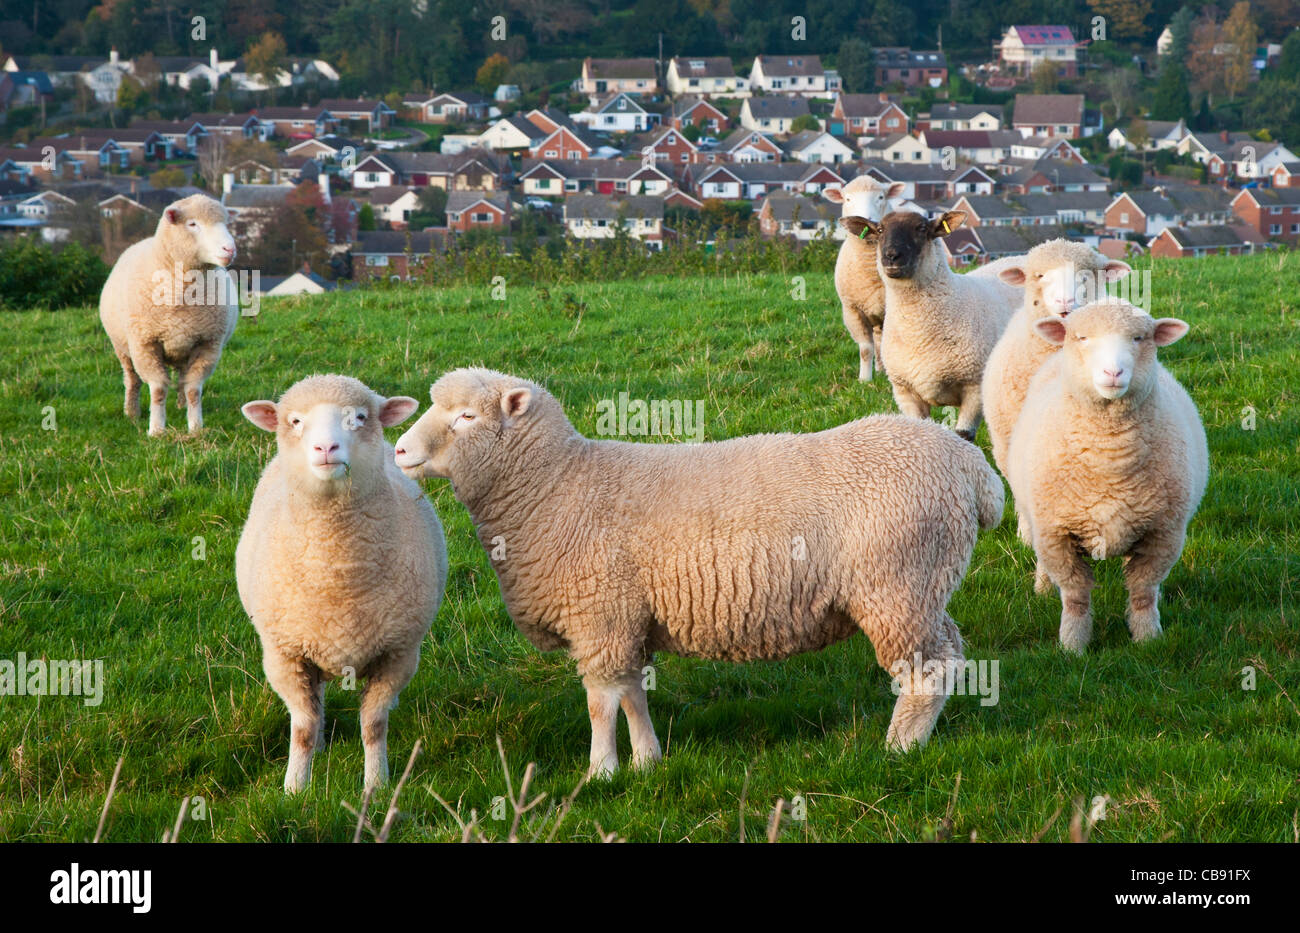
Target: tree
(1046, 77)
(1172, 99)
(805, 122)
(433, 202)
(1138, 134)
(213, 157)
(1180, 36)
(1121, 85)
(856, 65)
(1203, 63)
(692, 132)
(1240, 36)
(492, 72)
(286, 239)
(366, 218)
(1124, 18)
(265, 59)
(172, 176)
(1288, 67)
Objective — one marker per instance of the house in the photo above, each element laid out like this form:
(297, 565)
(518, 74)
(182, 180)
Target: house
(598, 216)
(1034, 148)
(1160, 134)
(801, 75)
(1050, 115)
(705, 77)
(302, 282)
(185, 71)
(1271, 212)
(1149, 212)
(857, 115)
(1025, 210)
(1023, 48)
(43, 205)
(294, 72)
(930, 181)
(1252, 160)
(983, 147)
(375, 114)
(744, 145)
(184, 135)
(992, 243)
(772, 114)
(44, 160)
(1189, 242)
(330, 148)
(467, 170)
(511, 134)
(629, 75)
(945, 116)
(792, 215)
(911, 69)
(561, 138)
(25, 89)
(95, 154)
(469, 210)
(505, 93)
(557, 177)
(394, 254)
(394, 205)
(1043, 176)
(294, 122)
(753, 180)
(456, 107)
(143, 144)
(690, 110)
(817, 146)
(664, 145)
(229, 125)
(616, 113)
(899, 147)
(249, 206)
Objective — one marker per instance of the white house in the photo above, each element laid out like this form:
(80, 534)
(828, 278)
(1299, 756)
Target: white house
(817, 146)
(899, 147)
(596, 216)
(801, 75)
(616, 113)
(705, 77)
(772, 114)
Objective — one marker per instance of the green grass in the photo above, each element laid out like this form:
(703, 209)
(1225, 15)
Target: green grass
(97, 534)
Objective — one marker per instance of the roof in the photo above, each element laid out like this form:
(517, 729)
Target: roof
(1010, 241)
(221, 119)
(777, 108)
(361, 105)
(704, 67)
(291, 113)
(37, 79)
(787, 66)
(739, 137)
(621, 68)
(895, 57)
(387, 194)
(1044, 35)
(942, 111)
(1206, 236)
(1036, 109)
(787, 207)
(1061, 171)
(604, 101)
(805, 138)
(1274, 197)
(602, 207)
(458, 201)
(588, 169)
(864, 106)
(688, 102)
(395, 242)
(257, 196)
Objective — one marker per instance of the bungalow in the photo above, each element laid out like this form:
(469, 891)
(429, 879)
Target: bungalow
(744, 145)
(394, 254)
(1063, 208)
(294, 122)
(556, 177)
(597, 216)
(455, 107)
(246, 125)
(943, 116)
(375, 114)
(930, 181)
(1023, 48)
(468, 210)
(698, 112)
(857, 115)
(1159, 134)
(1052, 115)
(900, 147)
(394, 205)
(93, 154)
(1033, 148)
(1189, 242)
(250, 206)
(629, 75)
(44, 159)
(1252, 160)
(793, 74)
(792, 215)
(982, 211)
(896, 65)
(616, 113)
(185, 71)
(143, 144)
(467, 170)
(753, 180)
(25, 89)
(1047, 175)
(1271, 212)
(511, 134)
(817, 146)
(705, 77)
(329, 148)
(983, 147)
(183, 134)
(43, 205)
(772, 114)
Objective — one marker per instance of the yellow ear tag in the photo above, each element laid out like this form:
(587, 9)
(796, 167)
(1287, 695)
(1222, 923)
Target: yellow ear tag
(945, 227)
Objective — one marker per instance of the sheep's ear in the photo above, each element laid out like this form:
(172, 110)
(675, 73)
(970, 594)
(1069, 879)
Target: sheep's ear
(262, 413)
(895, 191)
(1115, 269)
(173, 215)
(396, 410)
(514, 402)
(860, 227)
(946, 223)
(1012, 275)
(1051, 329)
(833, 193)
(1169, 330)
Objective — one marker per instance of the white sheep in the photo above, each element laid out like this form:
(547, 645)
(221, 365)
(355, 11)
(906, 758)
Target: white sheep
(939, 326)
(857, 282)
(1108, 458)
(1057, 276)
(341, 565)
(169, 304)
(758, 547)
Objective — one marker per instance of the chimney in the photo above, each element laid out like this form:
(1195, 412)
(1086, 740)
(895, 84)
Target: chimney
(306, 267)
(1223, 135)
(884, 98)
(212, 59)
(227, 182)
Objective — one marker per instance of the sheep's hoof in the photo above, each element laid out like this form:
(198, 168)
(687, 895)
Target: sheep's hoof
(602, 771)
(1076, 632)
(1144, 626)
(157, 432)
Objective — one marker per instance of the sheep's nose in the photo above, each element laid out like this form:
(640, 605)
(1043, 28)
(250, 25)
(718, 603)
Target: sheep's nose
(324, 449)
(891, 255)
(1113, 373)
(400, 451)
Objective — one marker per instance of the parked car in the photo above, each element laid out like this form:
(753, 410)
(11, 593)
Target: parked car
(538, 204)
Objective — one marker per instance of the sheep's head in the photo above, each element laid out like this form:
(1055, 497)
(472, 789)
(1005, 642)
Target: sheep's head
(1059, 276)
(904, 238)
(1109, 347)
(476, 418)
(864, 197)
(329, 429)
(196, 232)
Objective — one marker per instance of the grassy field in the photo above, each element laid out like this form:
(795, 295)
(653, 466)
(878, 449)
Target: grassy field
(97, 544)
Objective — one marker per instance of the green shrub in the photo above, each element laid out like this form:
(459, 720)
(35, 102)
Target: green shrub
(35, 275)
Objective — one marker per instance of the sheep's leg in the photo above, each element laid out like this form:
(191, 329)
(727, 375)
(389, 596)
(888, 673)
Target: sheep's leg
(909, 403)
(877, 341)
(193, 378)
(131, 380)
(383, 685)
(1145, 568)
(860, 331)
(645, 744)
(1071, 573)
(969, 412)
(299, 685)
(603, 698)
(157, 407)
(922, 696)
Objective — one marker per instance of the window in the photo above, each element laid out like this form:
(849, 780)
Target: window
(620, 186)
(372, 177)
(550, 153)
(544, 183)
(376, 260)
(574, 156)
(622, 103)
(1274, 229)
(480, 217)
(1295, 228)
(1275, 210)
(1123, 217)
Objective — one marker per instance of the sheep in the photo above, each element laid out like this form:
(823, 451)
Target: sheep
(758, 547)
(939, 326)
(1108, 458)
(1051, 275)
(341, 565)
(862, 297)
(170, 304)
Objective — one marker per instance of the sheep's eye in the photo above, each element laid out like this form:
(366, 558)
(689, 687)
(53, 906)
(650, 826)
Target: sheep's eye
(294, 422)
(360, 416)
(1137, 339)
(1080, 338)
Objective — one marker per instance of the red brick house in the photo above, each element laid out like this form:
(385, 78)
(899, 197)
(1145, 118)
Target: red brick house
(744, 145)
(1273, 213)
(468, 210)
(664, 145)
(1049, 115)
(911, 69)
(1191, 242)
(394, 254)
(1286, 175)
(698, 112)
(866, 115)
